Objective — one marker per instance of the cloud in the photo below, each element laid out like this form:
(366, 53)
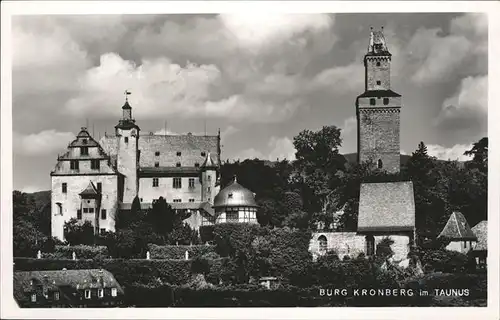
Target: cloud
(454, 153)
(468, 106)
(348, 134)
(436, 58)
(280, 149)
(42, 143)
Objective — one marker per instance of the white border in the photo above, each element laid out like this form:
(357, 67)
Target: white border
(9, 308)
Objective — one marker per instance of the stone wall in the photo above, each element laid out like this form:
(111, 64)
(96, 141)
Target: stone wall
(379, 137)
(71, 201)
(460, 246)
(376, 73)
(343, 243)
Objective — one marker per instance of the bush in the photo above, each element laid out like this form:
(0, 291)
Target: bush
(178, 252)
(207, 234)
(233, 237)
(446, 261)
(81, 251)
(384, 249)
(149, 295)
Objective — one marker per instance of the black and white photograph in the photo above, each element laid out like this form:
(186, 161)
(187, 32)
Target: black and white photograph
(248, 159)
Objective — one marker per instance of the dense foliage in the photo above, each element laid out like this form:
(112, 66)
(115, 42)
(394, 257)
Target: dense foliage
(81, 252)
(178, 252)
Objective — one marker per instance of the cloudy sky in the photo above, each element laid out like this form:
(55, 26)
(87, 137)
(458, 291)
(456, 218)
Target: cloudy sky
(260, 79)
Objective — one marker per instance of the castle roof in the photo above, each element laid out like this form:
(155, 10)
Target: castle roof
(377, 45)
(481, 232)
(90, 190)
(378, 93)
(210, 161)
(235, 195)
(457, 228)
(388, 206)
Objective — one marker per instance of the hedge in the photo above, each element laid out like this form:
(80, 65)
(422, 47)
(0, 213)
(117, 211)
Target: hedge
(232, 237)
(442, 260)
(81, 252)
(126, 271)
(178, 252)
(207, 233)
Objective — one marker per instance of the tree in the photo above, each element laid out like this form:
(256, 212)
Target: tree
(76, 232)
(161, 217)
(479, 152)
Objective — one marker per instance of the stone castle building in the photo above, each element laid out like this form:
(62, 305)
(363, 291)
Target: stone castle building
(95, 179)
(386, 210)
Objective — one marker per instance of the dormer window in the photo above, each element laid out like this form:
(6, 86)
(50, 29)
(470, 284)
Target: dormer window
(179, 153)
(230, 196)
(73, 164)
(87, 294)
(203, 153)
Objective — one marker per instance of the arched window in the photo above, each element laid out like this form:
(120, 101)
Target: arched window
(370, 245)
(379, 164)
(323, 244)
(59, 208)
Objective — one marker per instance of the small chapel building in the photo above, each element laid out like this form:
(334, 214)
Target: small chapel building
(386, 210)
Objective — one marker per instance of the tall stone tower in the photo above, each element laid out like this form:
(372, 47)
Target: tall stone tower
(378, 109)
(127, 135)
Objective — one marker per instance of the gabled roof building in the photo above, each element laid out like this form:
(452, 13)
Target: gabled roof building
(458, 232)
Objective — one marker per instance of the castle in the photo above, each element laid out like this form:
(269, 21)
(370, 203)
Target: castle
(95, 179)
(386, 210)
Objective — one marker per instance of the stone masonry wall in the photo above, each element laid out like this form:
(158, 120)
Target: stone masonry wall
(127, 163)
(376, 73)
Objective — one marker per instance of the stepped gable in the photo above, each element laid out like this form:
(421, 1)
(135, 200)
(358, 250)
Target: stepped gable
(481, 232)
(457, 228)
(388, 206)
(193, 150)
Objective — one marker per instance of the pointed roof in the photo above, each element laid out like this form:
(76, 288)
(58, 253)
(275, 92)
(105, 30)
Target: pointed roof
(481, 232)
(457, 228)
(209, 162)
(83, 133)
(126, 105)
(90, 190)
(377, 45)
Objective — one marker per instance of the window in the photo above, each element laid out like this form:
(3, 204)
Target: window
(179, 153)
(372, 101)
(85, 210)
(103, 214)
(378, 82)
(178, 164)
(196, 164)
(386, 101)
(323, 244)
(230, 195)
(177, 200)
(100, 293)
(155, 182)
(379, 164)
(177, 183)
(79, 214)
(191, 183)
(378, 64)
(95, 164)
(232, 216)
(370, 245)
(91, 210)
(103, 230)
(84, 141)
(126, 139)
(74, 165)
(114, 293)
(208, 189)
(87, 294)
(84, 151)
(64, 187)
(59, 208)
(56, 295)
(203, 153)
(209, 178)
(157, 164)
(33, 297)
(191, 200)
(157, 153)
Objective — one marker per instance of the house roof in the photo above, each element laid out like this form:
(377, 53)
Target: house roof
(388, 206)
(378, 93)
(90, 190)
(481, 232)
(235, 195)
(457, 228)
(54, 279)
